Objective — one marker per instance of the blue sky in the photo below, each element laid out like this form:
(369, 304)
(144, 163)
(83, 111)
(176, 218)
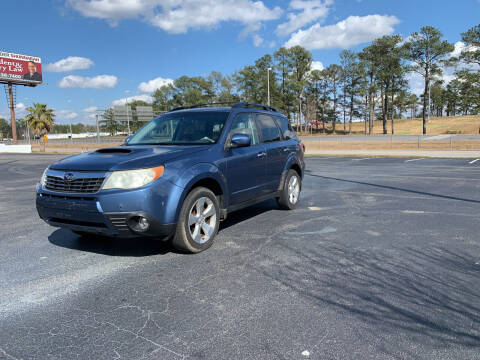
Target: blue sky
(95, 52)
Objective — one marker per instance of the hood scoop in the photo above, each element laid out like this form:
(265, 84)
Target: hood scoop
(114, 151)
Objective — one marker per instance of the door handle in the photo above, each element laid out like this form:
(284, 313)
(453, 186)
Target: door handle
(286, 149)
(260, 154)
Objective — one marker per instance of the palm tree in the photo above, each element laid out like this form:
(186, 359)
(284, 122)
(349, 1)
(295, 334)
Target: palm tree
(40, 119)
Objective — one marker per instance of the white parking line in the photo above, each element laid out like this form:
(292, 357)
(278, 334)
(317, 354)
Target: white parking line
(474, 161)
(363, 159)
(414, 160)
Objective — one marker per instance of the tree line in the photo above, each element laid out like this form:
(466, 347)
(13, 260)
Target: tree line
(371, 84)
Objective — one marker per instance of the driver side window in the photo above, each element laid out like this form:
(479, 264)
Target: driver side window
(245, 124)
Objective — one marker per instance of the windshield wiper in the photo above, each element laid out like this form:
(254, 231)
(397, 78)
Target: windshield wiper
(172, 143)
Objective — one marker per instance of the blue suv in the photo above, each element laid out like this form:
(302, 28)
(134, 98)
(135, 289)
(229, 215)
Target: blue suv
(178, 176)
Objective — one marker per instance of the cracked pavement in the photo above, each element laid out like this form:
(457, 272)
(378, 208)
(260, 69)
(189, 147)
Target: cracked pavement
(381, 260)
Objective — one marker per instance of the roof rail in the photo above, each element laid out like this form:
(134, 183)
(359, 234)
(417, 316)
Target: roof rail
(258, 106)
(231, 103)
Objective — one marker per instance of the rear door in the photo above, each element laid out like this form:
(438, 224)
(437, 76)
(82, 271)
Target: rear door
(276, 156)
(246, 166)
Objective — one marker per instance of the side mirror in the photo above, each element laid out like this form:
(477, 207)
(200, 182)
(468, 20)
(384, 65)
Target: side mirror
(240, 140)
(127, 139)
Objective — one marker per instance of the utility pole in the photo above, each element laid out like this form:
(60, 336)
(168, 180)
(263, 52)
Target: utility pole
(71, 132)
(268, 86)
(12, 113)
(126, 108)
(128, 119)
(428, 114)
(98, 130)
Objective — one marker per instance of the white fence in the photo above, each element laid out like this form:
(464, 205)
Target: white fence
(15, 148)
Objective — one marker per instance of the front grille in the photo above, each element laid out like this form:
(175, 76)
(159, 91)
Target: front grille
(82, 185)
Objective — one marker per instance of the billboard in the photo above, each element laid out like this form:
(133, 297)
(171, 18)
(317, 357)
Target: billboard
(19, 68)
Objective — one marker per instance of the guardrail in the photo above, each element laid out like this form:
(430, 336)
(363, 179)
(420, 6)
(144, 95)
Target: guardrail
(401, 142)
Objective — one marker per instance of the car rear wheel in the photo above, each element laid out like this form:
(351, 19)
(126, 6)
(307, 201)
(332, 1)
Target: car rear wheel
(291, 191)
(198, 221)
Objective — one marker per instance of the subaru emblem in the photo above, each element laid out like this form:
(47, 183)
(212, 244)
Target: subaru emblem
(69, 177)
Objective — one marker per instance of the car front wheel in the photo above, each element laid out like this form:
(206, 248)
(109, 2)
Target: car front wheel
(198, 221)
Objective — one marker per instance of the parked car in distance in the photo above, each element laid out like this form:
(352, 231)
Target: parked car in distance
(178, 176)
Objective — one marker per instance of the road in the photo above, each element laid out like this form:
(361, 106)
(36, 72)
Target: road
(381, 260)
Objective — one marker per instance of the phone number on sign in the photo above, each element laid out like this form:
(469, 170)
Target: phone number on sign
(11, 76)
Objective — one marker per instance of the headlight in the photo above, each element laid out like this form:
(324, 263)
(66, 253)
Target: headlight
(132, 179)
(43, 179)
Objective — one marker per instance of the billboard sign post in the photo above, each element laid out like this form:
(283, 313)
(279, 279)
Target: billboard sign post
(12, 113)
(20, 70)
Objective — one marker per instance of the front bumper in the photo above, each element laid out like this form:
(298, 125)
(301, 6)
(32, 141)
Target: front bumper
(110, 212)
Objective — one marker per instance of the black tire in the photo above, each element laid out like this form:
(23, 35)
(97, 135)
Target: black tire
(284, 201)
(183, 239)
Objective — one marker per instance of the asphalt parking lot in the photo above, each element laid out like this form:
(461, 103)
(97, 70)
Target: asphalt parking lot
(381, 260)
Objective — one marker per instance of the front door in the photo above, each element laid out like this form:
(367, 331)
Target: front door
(246, 166)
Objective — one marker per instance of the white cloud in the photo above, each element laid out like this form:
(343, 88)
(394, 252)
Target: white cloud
(317, 65)
(209, 14)
(71, 115)
(352, 31)
(69, 64)
(66, 114)
(178, 16)
(20, 106)
(310, 11)
(144, 97)
(96, 82)
(257, 40)
(113, 10)
(462, 47)
(459, 46)
(90, 109)
(416, 82)
(154, 84)
(20, 111)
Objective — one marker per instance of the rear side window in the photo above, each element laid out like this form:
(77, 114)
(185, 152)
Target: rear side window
(286, 128)
(268, 128)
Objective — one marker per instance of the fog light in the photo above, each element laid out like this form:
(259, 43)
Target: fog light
(139, 223)
(143, 224)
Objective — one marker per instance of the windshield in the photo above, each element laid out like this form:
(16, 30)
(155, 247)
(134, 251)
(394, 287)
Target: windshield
(182, 128)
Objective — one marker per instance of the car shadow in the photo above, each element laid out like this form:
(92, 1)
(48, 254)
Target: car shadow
(248, 213)
(134, 247)
(138, 247)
